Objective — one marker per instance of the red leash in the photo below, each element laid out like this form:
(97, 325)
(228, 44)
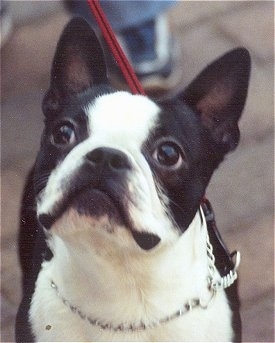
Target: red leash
(115, 48)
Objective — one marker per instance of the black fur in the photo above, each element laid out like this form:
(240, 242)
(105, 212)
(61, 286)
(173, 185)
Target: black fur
(202, 121)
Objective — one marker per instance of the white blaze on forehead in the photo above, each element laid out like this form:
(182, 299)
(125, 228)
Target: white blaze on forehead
(121, 121)
(122, 118)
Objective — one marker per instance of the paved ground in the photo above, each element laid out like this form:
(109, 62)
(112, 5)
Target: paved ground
(242, 189)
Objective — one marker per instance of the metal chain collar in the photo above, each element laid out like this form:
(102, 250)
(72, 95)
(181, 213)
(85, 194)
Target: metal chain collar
(215, 283)
(132, 327)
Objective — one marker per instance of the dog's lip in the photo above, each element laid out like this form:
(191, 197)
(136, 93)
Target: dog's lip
(71, 200)
(46, 220)
(144, 240)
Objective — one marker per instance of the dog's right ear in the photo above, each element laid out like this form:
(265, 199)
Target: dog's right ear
(77, 66)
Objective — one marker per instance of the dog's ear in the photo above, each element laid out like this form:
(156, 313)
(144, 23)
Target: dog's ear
(218, 95)
(78, 64)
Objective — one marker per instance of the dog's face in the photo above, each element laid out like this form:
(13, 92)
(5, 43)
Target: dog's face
(121, 167)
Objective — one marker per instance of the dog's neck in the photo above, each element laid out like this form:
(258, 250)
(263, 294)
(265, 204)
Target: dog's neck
(103, 282)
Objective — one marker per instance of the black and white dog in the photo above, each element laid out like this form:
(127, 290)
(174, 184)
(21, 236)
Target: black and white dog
(113, 243)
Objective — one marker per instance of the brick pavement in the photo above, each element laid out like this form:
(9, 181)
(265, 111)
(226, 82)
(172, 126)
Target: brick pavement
(204, 30)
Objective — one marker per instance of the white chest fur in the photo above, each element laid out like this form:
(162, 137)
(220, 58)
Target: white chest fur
(129, 290)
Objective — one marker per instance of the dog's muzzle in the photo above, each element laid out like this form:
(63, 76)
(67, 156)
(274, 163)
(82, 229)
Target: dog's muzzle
(99, 188)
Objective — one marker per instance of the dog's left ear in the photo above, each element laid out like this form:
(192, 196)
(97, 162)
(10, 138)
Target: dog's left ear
(218, 95)
(78, 64)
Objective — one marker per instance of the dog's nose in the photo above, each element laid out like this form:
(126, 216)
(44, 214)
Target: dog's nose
(110, 158)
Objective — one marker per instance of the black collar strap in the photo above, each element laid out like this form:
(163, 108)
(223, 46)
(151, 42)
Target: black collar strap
(224, 260)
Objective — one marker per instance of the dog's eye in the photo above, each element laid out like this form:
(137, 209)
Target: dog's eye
(64, 135)
(168, 154)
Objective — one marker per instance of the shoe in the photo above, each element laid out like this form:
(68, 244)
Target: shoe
(152, 52)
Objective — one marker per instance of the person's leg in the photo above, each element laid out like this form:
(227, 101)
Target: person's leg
(121, 14)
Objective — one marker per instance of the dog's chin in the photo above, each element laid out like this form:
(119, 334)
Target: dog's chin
(96, 204)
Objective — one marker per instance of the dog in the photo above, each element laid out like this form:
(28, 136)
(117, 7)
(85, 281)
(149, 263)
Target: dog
(113, 243)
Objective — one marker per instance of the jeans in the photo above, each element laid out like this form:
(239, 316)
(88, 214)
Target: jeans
(123, 14)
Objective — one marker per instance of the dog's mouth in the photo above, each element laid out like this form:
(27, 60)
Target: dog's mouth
(96, 203)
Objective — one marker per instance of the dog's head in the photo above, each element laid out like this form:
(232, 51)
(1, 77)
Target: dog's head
(123, 167)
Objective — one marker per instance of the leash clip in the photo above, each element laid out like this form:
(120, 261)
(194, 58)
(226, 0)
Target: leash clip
(237, 255)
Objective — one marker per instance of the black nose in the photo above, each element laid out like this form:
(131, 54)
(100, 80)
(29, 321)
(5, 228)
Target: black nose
(112, 159)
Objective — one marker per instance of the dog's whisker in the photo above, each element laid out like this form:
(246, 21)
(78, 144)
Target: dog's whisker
(40, 183)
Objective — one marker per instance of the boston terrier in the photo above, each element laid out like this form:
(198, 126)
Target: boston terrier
(114, 245)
